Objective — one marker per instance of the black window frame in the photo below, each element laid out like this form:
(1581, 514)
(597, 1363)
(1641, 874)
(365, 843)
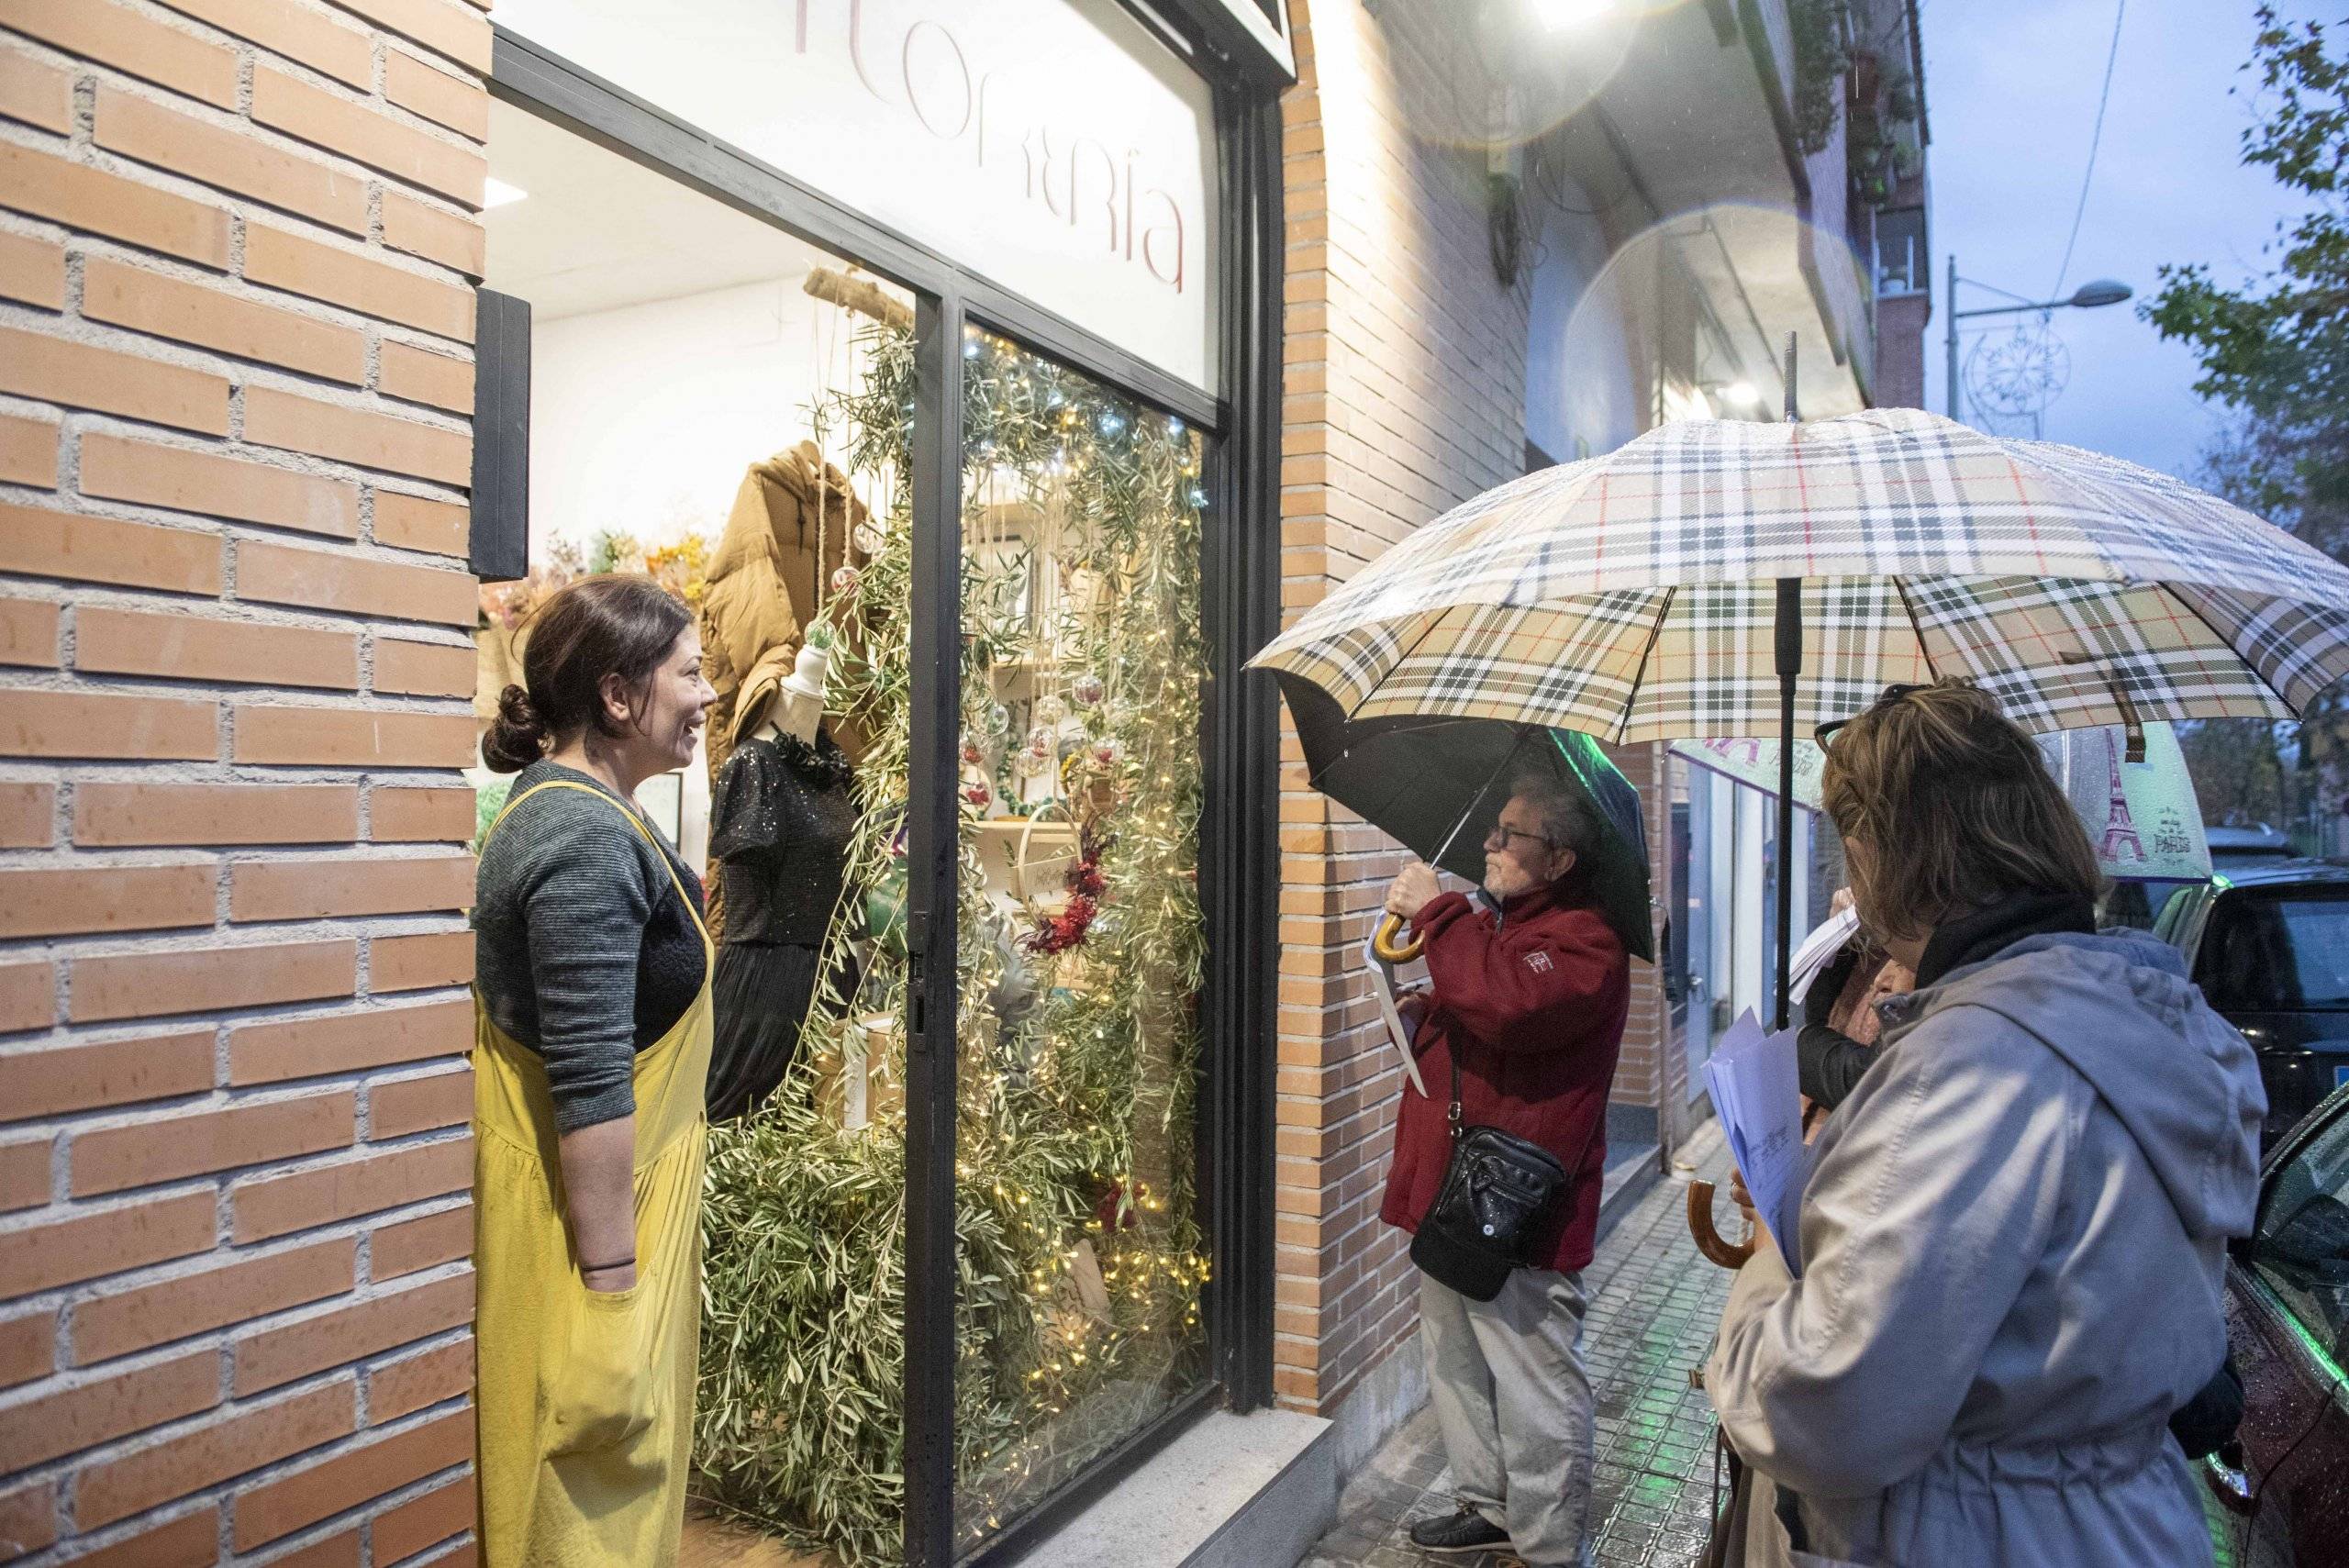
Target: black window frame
(1241, 564)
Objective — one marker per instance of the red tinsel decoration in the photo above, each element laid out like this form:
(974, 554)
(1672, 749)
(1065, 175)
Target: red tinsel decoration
(1060, 933)
(1106, 1211)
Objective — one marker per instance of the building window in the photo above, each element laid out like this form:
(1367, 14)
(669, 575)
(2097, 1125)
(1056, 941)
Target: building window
(1902, 264)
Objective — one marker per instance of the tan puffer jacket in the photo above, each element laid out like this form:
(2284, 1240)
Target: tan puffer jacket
(764, 581)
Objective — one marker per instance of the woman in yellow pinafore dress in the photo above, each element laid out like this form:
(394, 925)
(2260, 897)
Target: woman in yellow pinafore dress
(587, 1244)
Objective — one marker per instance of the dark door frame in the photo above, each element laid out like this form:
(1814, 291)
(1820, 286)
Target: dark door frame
(1241, 566)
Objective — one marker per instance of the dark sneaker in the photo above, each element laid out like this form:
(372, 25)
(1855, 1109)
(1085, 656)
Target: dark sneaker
(1464, 1531)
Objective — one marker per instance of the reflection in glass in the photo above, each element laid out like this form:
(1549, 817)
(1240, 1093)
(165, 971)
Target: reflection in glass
(1081, 941)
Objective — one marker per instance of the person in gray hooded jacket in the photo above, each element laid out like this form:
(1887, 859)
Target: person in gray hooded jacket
(2012, 1238)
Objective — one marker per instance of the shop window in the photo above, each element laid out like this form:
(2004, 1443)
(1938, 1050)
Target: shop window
(669, 346)
(726, 409)
(1081, 938)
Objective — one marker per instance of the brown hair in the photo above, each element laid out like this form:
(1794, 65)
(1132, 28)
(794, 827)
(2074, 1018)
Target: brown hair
(1952, 809)
(579, 634)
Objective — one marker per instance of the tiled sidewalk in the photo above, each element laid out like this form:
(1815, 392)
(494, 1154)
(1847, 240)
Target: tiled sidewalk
(1654, 1303)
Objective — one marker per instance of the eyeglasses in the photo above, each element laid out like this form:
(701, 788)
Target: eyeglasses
(1890, 696)
(1502, 833)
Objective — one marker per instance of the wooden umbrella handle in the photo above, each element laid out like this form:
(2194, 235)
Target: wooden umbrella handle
(1728, 1255)
(1388, 949)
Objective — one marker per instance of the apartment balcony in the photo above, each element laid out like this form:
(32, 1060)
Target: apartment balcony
(1695, 111)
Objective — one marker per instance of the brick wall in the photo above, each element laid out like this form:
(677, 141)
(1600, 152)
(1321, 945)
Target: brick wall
(1405, 395)
(1900, 322)
(235, 244)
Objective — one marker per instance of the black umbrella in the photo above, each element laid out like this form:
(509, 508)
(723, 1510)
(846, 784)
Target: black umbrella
(1438, 787)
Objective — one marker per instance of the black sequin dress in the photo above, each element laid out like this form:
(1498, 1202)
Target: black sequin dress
(779, 825)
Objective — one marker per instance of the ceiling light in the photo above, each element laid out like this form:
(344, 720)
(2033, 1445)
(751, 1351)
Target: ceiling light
(1560, 16)
(1743, 393)
(496, 193)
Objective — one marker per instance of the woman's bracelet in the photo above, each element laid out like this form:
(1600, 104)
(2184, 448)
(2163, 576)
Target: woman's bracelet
(627, 1263)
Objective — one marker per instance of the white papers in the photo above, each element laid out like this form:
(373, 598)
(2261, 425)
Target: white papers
(1382, 984)
(1756, 1088)
(1818, 950)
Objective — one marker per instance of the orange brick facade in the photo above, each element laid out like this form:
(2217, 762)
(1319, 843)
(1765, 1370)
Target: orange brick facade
(238, 240)
(1405, 393)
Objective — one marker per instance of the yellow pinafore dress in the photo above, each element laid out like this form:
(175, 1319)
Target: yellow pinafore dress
(585, 1416)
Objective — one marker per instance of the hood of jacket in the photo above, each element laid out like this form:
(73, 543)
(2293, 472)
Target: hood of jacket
(2118, 1006)
(791, 484)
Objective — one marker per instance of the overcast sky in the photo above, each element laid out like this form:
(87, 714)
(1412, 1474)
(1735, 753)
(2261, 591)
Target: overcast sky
(2011, 94)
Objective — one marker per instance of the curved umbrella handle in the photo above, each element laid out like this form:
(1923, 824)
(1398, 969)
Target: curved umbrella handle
(1709, 1240)
(1388, 949)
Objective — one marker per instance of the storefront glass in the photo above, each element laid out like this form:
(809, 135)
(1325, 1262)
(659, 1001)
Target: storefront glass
(726, 409)
(1081, 939)
(747, 416)
(801, 1421)
(676, 350)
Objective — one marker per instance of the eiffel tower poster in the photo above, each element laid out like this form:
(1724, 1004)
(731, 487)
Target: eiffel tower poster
(2119, 832)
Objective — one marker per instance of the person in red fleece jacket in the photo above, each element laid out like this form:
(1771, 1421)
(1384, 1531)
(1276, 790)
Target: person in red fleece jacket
(1527, 990)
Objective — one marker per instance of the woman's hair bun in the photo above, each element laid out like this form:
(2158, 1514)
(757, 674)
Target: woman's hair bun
(516, 736)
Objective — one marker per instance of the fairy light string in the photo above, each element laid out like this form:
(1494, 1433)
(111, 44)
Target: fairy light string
(1083, 1265)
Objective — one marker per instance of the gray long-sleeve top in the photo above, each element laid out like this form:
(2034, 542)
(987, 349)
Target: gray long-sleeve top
(583, 949)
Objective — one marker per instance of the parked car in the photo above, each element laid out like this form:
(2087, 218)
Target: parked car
(2232, 847)
(2269, 946)
(2284, 1483)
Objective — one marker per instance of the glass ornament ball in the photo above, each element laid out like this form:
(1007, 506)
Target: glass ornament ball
(1088, 690)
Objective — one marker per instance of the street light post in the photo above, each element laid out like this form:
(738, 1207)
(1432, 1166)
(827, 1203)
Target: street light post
(1949, 308)
(2088, 297)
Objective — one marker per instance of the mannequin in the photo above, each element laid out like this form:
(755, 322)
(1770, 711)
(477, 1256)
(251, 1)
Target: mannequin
(781, 819)
(799, 703)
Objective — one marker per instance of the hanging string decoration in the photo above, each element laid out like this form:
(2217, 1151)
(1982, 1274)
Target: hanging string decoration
(1081, 1262)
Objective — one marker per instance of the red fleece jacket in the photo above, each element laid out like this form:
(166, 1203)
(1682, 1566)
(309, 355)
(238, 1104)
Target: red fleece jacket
(1533, 1003)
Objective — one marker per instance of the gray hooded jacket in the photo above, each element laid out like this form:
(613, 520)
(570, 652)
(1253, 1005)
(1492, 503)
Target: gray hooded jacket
(2013, 1246)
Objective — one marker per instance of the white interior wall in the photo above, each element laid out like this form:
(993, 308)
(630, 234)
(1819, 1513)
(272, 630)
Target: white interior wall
(643, 419)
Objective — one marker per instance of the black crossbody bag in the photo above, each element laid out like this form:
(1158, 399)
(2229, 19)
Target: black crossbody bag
(1498, 1198)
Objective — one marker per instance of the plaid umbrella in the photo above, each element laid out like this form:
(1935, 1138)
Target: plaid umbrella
(1729, 578)
(1633, 595)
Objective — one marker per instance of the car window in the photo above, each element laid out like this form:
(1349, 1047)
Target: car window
(2301, 1245)
(2270, 952)
(2173, 912)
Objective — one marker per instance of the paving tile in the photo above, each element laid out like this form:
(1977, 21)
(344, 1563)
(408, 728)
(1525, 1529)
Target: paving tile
(1653, 1303)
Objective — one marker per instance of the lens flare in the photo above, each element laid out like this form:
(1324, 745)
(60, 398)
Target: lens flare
(1501, 76)
(1688, 319)
(1563, 15)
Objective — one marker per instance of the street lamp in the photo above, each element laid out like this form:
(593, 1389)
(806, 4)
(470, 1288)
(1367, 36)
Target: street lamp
(2088, 297)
